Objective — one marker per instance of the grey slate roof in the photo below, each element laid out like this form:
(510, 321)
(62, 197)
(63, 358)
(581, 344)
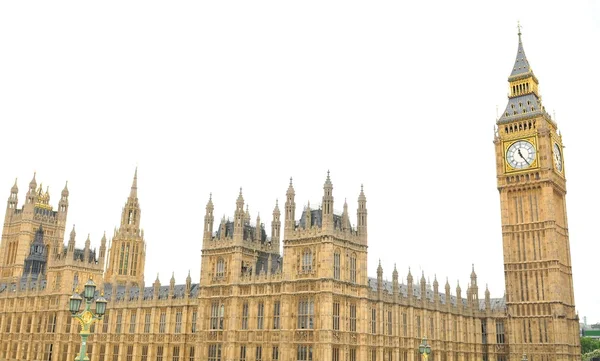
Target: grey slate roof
(521, 64)
(148, 292)
(524, 106)
(495, 303)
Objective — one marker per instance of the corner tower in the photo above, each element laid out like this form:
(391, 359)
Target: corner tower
(127, 254)
(537, 261)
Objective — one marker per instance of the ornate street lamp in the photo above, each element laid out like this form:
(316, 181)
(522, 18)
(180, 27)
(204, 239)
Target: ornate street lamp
(86, 318)
(424, 349)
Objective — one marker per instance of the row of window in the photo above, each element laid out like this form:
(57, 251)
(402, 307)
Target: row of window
(305, 320)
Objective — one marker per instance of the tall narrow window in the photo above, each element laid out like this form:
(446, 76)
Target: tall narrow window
(307, 260)
(499, 332)
(373, 321)
(115, 353)
(132, 318)
(216, 316)
(431, 334)
(119, 321)
(105, 323)
(159, 353)
(178, 318)
(192, 353)
(404, 325)
(220, 268)
(305, 353)
(144, 353)
(260, 316)
(102, 353)
(306, 313)
(336, 265)
(484, 332)
(214, 352)
(352, 354)
(51, 323)
(258, 353)
(130, 353)
(335, 354)
(418, 324)
(245, 316)
(175, 353)
(389, 323)
(353, 268)
(162, 325)
(336, 316)
(353, 317)
(194, 321)
(243, 353)
(275, 353)
(276, 312)
(146, 322)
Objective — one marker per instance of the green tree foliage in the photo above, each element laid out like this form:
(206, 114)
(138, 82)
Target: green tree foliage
(589, 344)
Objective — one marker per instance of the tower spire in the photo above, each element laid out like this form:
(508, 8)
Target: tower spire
(133, 193)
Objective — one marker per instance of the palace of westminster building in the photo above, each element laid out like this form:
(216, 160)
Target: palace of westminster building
(314, 302)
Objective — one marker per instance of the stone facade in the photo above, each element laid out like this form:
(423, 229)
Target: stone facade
(314, 301)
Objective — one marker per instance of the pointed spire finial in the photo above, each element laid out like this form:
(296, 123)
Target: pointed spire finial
(519, 28)
(133, 193)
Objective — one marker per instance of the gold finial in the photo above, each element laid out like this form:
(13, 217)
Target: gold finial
(519, 28)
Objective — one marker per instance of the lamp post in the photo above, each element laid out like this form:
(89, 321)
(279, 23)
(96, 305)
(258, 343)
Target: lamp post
(424, 349)
(86, 318)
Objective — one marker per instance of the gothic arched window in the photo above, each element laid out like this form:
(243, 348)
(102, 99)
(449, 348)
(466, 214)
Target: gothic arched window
(220, 272)
(336, 265)
(307, 260)
(353, 267)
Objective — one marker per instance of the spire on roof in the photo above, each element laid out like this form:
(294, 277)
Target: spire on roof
(133, 193)
(521, 64)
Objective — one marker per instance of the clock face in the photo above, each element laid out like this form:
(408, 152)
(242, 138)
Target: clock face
(558, 162)
(521, 154)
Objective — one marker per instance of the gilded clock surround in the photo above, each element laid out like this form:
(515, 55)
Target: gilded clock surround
(507, 144)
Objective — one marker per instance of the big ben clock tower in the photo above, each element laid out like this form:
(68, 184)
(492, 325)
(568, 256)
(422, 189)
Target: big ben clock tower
(537, 260)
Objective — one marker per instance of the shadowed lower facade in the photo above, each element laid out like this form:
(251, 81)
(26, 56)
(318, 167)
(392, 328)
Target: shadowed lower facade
(303, 292)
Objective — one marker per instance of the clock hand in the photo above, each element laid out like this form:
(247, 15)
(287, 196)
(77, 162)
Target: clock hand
(521, 155)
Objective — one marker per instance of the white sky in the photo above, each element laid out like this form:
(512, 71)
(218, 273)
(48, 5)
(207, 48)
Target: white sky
(210, 96)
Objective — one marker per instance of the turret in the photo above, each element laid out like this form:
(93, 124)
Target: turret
(423, 288)
(458, 295)
(188, 285)
(86, 250)
(361, 216)
(239, 219)
(172, 286)
(379, 278)
(395, 284)
(209, 219)
(31, 193)
(63, 204)
(130, 217)
(327, 204)
(71, 244)
(258, 229)
(290, 208)
(474, 288)
(308, 215)
(345, 218)
(13, 200)
(448, 292)
(409, 285)
(436, 294)
(102, 255)
(487, 298)
(156, 287)
(276, 225)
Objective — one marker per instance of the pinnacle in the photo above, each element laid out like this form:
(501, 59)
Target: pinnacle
(133, 193)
